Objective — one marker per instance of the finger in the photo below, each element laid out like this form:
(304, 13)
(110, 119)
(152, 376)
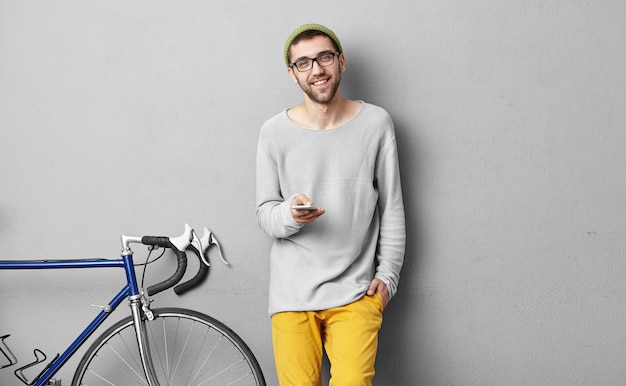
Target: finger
(373, 287)
(306, 216)
(310, 214)
(301, 199)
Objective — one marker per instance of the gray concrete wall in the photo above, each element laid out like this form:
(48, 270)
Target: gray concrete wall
(139, 116)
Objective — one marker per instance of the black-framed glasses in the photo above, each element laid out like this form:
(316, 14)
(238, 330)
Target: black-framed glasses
(306, 64)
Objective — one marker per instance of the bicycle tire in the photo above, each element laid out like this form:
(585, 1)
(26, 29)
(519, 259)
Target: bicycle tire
(187, 348)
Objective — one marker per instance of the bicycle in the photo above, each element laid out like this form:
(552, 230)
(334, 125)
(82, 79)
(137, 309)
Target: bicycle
(161, 346)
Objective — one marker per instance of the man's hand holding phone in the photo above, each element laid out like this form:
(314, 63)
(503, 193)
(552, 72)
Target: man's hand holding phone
(303, 211)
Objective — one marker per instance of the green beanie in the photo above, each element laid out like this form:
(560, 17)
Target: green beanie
(310, 27)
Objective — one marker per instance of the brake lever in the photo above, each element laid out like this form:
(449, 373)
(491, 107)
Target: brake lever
(199, 243)
(183, 241)
(207, 240)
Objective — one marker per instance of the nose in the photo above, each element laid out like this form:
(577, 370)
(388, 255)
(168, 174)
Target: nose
(316, 67)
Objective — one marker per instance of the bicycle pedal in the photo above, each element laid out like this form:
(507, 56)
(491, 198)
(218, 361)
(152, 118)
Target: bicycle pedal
(54, 382)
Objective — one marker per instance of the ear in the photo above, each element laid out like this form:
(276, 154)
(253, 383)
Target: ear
(292, 75)
(342, 63)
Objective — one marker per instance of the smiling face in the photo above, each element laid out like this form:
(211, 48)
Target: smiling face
(319, 84)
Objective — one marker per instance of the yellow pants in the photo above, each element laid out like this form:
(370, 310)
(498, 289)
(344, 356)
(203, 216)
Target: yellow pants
(349, 334)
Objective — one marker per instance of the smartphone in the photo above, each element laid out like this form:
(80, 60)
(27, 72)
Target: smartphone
(303, 207)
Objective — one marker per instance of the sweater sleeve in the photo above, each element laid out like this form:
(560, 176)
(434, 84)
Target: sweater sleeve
(272, 211)
(392, 234)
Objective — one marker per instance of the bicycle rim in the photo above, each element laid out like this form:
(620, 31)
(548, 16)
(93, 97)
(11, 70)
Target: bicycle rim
(187, 348)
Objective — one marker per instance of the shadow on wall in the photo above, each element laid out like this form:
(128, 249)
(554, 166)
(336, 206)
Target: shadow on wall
(398, 347)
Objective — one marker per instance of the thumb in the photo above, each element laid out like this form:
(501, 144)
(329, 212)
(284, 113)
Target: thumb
(372, 289)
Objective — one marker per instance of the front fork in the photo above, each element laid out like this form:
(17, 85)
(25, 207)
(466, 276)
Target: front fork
(140, 306)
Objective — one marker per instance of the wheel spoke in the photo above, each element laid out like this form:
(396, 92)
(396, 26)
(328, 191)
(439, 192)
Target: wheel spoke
(187, 348)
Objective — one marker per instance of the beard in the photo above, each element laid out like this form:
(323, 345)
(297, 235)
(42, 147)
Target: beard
(322, 97)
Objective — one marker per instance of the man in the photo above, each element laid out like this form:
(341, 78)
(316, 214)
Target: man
(335, 264)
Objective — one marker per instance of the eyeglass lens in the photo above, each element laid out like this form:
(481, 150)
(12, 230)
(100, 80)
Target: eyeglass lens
(323, 60)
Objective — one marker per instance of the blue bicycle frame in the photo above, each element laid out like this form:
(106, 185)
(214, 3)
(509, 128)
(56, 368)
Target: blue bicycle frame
(130, 290)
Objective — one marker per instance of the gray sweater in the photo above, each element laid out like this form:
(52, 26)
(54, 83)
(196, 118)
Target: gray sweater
(352, 172)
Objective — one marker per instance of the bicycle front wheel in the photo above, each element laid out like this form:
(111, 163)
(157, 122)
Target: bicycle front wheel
(187, 348)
